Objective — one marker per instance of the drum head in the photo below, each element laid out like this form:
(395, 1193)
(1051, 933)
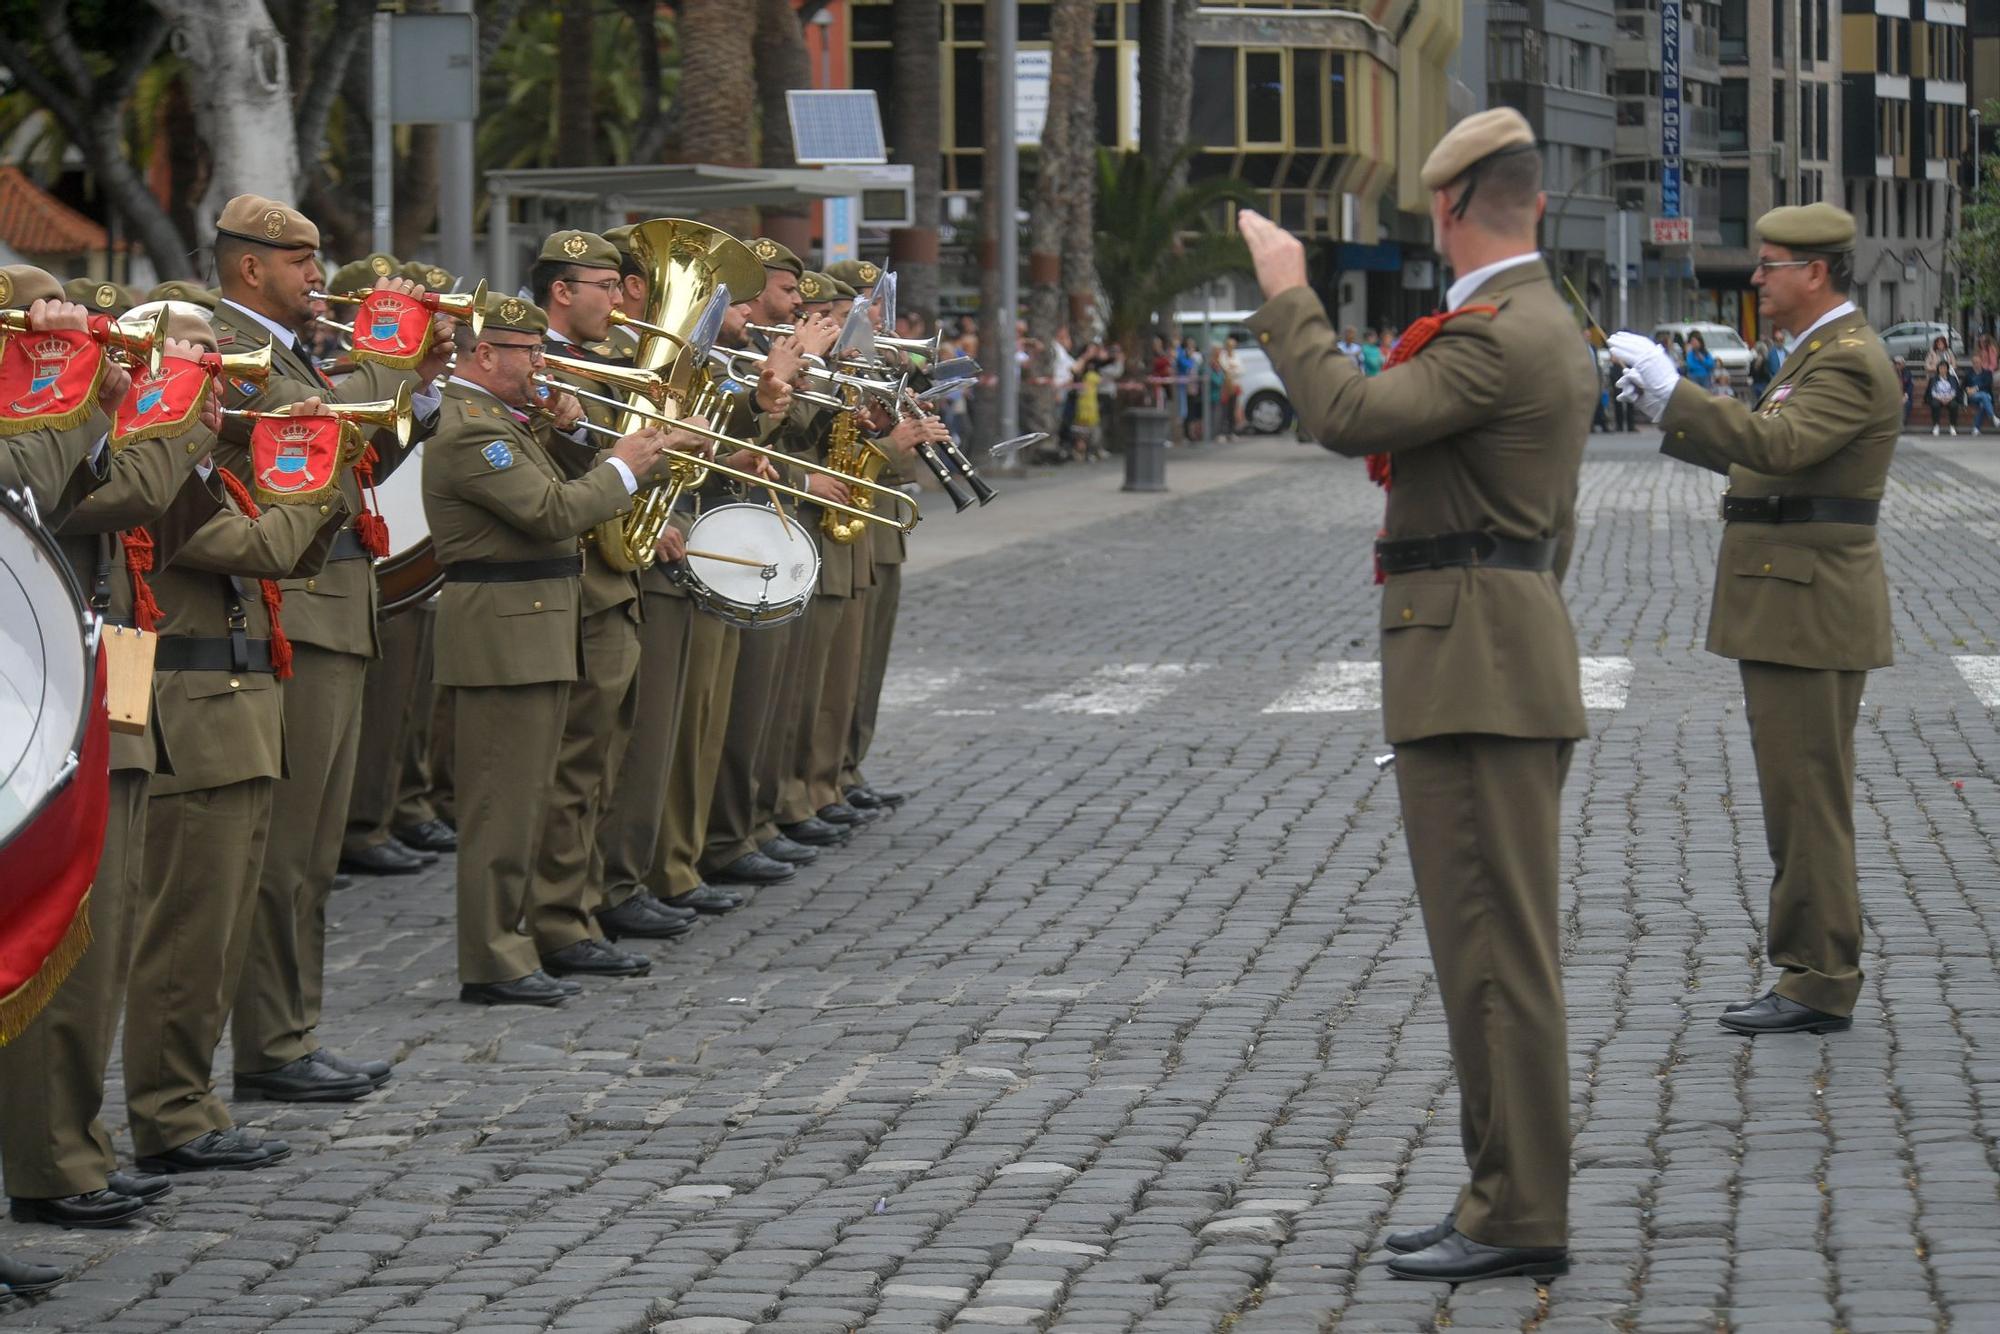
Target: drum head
(410, 572)
(783, 548)
(45, 668)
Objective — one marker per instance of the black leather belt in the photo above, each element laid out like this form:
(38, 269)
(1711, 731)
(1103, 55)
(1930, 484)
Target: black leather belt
(199, 653)
(347, 546)
(1798, 509)
(1405, 555)
(513, 571)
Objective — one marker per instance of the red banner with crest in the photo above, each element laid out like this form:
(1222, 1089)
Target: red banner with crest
(295, 460)
(163, 404)
(48, 379)
(392, 329)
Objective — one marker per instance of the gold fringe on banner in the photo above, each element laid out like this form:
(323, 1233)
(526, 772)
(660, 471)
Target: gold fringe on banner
(19, 1007)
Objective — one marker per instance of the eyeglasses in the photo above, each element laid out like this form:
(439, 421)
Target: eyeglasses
(535, 351)
(1766, 265)
(605, 284)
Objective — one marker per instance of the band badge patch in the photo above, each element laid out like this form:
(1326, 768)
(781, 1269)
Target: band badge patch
(295, 460)
(105, 297)
(869, 273)
(48, 379)
(513, 311)
(392, 329)
(765, 248)
(498, 455)
(274, 223)
(380, 266)
(165, 404)
(436, 277)
(574, 246)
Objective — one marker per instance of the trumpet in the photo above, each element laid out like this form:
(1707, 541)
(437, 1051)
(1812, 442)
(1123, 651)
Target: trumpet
(929, 347)
(467, 306)
(882, 389)
(387, 414)
(141, 340)
(253, 367)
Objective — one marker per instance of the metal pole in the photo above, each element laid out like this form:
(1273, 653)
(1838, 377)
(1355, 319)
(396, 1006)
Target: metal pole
(1798, 92)
(1624, 292)
(384, 150)
(455, 187)
(1005, 182)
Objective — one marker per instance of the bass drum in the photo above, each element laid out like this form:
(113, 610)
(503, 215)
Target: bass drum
(48, 667)
(410, 572)
(775, 589)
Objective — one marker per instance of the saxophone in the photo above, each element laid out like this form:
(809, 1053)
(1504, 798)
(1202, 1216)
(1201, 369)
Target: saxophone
(851, 456)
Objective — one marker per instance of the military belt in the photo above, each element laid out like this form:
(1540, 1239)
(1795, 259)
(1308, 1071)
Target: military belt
(202, 653)
(1798, 509)
(513, 571)
(1404, 555)
(347, 546)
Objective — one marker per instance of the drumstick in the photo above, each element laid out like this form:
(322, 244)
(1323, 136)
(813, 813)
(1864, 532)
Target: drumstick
(1570, 287)
(732, 560)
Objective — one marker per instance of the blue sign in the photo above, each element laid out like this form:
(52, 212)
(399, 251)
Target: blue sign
(1670, 108)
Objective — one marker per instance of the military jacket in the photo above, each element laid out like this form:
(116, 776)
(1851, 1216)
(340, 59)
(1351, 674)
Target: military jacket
(1486, 428)
(493, 493)
(1801, 594)
(338, 612)
(217, 728)
(603, 586)
(44, 462)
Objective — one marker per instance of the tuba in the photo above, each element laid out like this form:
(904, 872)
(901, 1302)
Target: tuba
(685, 262)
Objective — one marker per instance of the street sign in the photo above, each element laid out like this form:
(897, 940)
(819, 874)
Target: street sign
(1670, 108)
(1673, 231)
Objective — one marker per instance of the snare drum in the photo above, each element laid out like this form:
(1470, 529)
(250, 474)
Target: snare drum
(753, 597)
(411, 572)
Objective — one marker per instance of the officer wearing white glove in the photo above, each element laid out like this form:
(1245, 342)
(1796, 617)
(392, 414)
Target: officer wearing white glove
(1650, 376)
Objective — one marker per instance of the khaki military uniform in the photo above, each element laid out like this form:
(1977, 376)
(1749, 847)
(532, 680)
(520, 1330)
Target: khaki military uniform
(1486, 427)
(889, 548)
(509, 648)
(52, 1144)
(43, 462)
(222, 735)
(330, 619)
(1804, 608)
(395, 705)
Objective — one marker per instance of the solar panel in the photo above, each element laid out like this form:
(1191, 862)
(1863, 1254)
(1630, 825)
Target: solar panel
(835, 126)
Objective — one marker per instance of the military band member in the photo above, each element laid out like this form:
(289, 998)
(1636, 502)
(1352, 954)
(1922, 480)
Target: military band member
(43, 461)
(267, 262)
(100, 297)
(1801, 601)
(1484, 430)
(506, 524)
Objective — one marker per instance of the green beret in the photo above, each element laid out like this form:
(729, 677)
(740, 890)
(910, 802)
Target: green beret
(428, 276)
(22, 285)
(102, 297)
(361, 275)
(774, 256)
(586, 250)
(1808, 227)
(856, 273)
(815, 289)
(515, 314)
(177, 290)
(621, 237)
(841, 291)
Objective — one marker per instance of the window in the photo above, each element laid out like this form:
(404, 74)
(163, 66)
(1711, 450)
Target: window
(1777, 111)
(1820, 32)
(968, 88)
(1778, 31)
(1308, 85)
(1104, 91)
(1821, 114)
(1336, 100)
(1503, 60)
(1734, 116)
(1212, 119)
(1735, 31)
(1263, 97)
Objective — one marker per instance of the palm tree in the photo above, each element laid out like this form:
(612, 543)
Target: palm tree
(1057, 215)
(916, 123)
(716, 39)
(1156, 241)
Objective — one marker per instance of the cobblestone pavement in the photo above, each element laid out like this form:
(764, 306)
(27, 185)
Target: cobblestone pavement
(1126, 1022)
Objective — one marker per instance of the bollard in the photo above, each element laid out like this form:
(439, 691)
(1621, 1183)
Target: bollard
(1146, 448)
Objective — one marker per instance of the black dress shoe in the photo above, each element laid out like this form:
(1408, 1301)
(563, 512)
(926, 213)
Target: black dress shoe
(885, 796)
(814, 833)
(137, 1184)
(841, 814)
(97, 1208)
(707, 899)
(231, 1150)
(430, 836)
(385, 858)
(754, 868)
(1421, 1238)
(1460, 1259)
(375, 1072)
(537, 988)
(303, 1080)
(644, 917)
(782, 849)
(18, 1278)
(1776, 1014)
(1734, 1006)
(594, 958)
(861, 799)
(423, 855)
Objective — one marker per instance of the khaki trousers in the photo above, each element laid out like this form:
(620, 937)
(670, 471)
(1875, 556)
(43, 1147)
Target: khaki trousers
(733, 813)
(697, 753)
(426, 792)
(801, 707)
(628, 831)
(602, 709)
(1482, 816)
(204, 850)
(834, 723)
(395, 697)
(51, 1140)
(507, 740)
(1802, 733)
(284, 966)
(884, 600)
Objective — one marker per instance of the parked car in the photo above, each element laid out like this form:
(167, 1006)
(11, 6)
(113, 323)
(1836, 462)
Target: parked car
(1912, 341)
(1732, 354)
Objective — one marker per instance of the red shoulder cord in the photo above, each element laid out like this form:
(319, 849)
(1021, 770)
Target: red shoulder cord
(138, 545)
(274, 598)
(370, 529)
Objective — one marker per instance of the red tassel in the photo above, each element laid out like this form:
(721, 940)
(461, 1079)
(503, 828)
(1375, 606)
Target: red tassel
(138, 544)
(370, 529)
(1380, 470)
(274, 598)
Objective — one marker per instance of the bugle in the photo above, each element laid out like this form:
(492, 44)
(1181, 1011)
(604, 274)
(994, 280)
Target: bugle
(387, 414)
(249, 367)
(140, 340)
(467, 306)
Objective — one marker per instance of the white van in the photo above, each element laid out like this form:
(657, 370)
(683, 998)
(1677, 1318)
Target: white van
(1266, 408)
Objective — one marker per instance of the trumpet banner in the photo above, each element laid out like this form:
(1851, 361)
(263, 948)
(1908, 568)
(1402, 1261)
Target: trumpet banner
(392, 329)
(159, 405)
(295, 460)
(45, 874)
(48, 380)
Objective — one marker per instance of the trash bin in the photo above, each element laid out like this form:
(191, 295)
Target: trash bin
(1146, 448)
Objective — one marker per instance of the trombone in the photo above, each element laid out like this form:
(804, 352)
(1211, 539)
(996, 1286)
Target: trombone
(388, 414)
(929, 347)
(467, 306)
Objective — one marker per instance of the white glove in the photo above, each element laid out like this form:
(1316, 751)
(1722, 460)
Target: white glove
(1630, 385)
(1653, 368)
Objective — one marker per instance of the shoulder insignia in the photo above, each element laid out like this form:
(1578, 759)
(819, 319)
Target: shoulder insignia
(248, 388)
(222, 338)
(1853, 342)
(498, 455)
(472, 409)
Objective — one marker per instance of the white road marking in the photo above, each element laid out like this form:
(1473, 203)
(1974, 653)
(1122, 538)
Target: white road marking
(1334, 687)
(908, 686)
(1983, 675)
(1606, 682)
(1120, 689)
